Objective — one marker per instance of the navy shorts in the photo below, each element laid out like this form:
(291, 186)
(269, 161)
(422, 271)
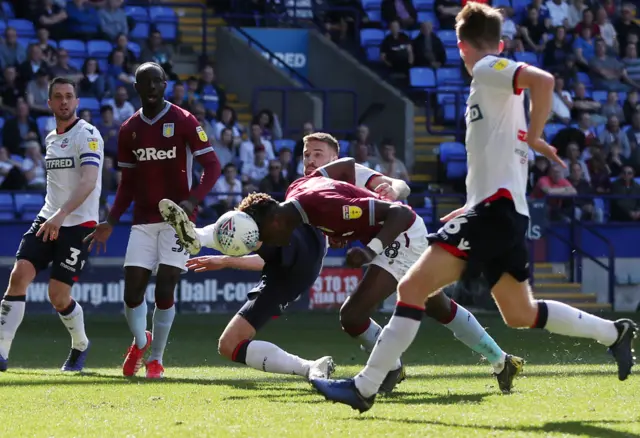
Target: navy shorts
(491, 236)
(67, 254)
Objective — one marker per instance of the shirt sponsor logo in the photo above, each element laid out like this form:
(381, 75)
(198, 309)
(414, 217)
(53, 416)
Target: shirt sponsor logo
(201, 134)
(168, 130)
(350, 212)
(473, 114)
(153, 154)
(522, 135)
(59, 163)
(499, 64)
(93, 143)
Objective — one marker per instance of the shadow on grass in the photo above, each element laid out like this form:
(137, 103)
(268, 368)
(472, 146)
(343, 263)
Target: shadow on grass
(590, 428)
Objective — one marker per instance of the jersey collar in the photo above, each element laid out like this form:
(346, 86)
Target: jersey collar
(160, 115)
(68, 128)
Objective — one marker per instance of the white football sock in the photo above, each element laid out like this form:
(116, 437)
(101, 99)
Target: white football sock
(268, 357)
(466, 328)
(394, 340)
(569, 321)
(137, 321)
(370, 336)
(11, 314)
(205, 236)
(74, 322)
(162, 322)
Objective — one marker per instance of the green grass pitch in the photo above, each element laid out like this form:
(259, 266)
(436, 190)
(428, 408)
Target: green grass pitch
(569, 387)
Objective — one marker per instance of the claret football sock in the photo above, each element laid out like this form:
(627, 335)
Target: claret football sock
(394, 340)
(11, 314)
(137, 321)
(162, 322)
(73, 319)
(370, 336)
(562, 319)
(466, 328)
(268, 357)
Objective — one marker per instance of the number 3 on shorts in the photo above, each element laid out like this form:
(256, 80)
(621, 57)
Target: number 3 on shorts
(73, 257)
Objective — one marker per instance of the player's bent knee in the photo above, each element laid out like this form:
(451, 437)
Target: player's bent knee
(227, 345)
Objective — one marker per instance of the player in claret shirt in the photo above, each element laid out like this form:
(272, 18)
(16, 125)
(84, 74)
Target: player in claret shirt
(156, 149)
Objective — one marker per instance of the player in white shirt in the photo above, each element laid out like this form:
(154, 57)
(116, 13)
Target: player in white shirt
(488, 235)
(74, 156)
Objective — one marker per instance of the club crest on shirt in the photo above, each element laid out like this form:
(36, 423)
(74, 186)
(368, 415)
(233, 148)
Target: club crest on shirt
(499, 64)
(350, 212)
(201, 134)
(168, 130)
(65, 143)
(92, 143)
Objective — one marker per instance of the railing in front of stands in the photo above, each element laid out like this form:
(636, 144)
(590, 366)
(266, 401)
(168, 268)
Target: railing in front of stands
(451, 104)
(201, 7)
(272, 57)
(324, 94)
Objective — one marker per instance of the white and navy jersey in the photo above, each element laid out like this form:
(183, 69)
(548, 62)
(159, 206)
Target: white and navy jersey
(496, 140)
(364, 176)
(80, 145)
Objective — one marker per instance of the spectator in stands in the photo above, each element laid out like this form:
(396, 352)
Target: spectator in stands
(49, 53)
(12, 52)
(538, 169)
(576, 9)
(609, 6)
(570, 72)
(113, 19)
(555, 184)
(573, 158)
(64, 69)
(584, 48)
(254, 171)
(228, 190)
(155, 50)
(210, 92)
(269, 123)
(38, 95)
(122, 108)
(607, 31)
(632, 63)
(10, 91)
(35, 61)
(608, 72)
(401, 11)
(533, 31)
(584, 209)
(613, 134)
(274, 182)
(53, 17)
(363, 138)
(509, 29)
(389, 165)
(362, 156)
(615, 160)
(178, 96)
(122, 44)
(446, 11)
(395, 50)
(626, 26)
(109, 175)
(587, 21)
(428, 48)
(611, 107)
(287, 164)
(633, 133)
(82, 20)
(627, 207)
(599, 171)
(255, 142)
(86, 115)
(556, 50)
(19, 129)
(225, 148)
(558, 12)
(562, 102)
(227, 118)
(11, 176)
(585, 104)
(543, 11)
(93, 82)
(307, 129)
(33, 166)
(109, 129)
(118, 73)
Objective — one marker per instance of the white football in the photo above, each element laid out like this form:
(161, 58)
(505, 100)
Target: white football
(236, 233)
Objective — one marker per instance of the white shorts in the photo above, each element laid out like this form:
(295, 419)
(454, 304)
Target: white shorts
(153, 244)
(398, 257)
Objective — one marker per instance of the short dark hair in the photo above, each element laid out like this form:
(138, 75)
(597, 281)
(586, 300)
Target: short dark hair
(105, 108)
(228, 166)
(62, 81)
(479, 25)
(258, 206)
(148, 66)
(323, 137)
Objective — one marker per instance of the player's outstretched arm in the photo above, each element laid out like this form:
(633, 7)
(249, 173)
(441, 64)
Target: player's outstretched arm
(391, 189)
(343, 169)
(251, 262)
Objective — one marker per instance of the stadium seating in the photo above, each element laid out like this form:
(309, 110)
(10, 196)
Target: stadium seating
(284, 143)
(24, 28)
(162, 14)
(552, 129)
(344, 148)
(7, 209)
(421, 77)
(99, 48)
(140, 32)
(75, 48)
(454, 157)
(138, 13)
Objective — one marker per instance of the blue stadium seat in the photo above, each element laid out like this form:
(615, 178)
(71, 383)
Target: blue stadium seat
(371, 37)
(52, 43)
(162, 14)
(449, 76)
(24, 28)
(103, 64)
(76, 62)
(428, 16)
(90, 104)
(169, 31)
(585, 79)
(76, 48)
(374, 15)
(3, 26)
(344, 148)
(599, 96)
(423, 5)
(452, 150)
(7, 209)
(371, 4)
(28, 202)
(457, 169)
(373, 54)
(422, 77)
(17, 158)
(501, 3)
(622, 96)
(551, 129)
(140, 32)
(7, 10)
(413, 34)
(448, 37)
(528, 57)
(42, 123)
(99, 48)
(169, 90)
(284, 143)
(520, 6)
(138, 13)
(23, 41)
(134, 47)
(453, 57)
(1, 122)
